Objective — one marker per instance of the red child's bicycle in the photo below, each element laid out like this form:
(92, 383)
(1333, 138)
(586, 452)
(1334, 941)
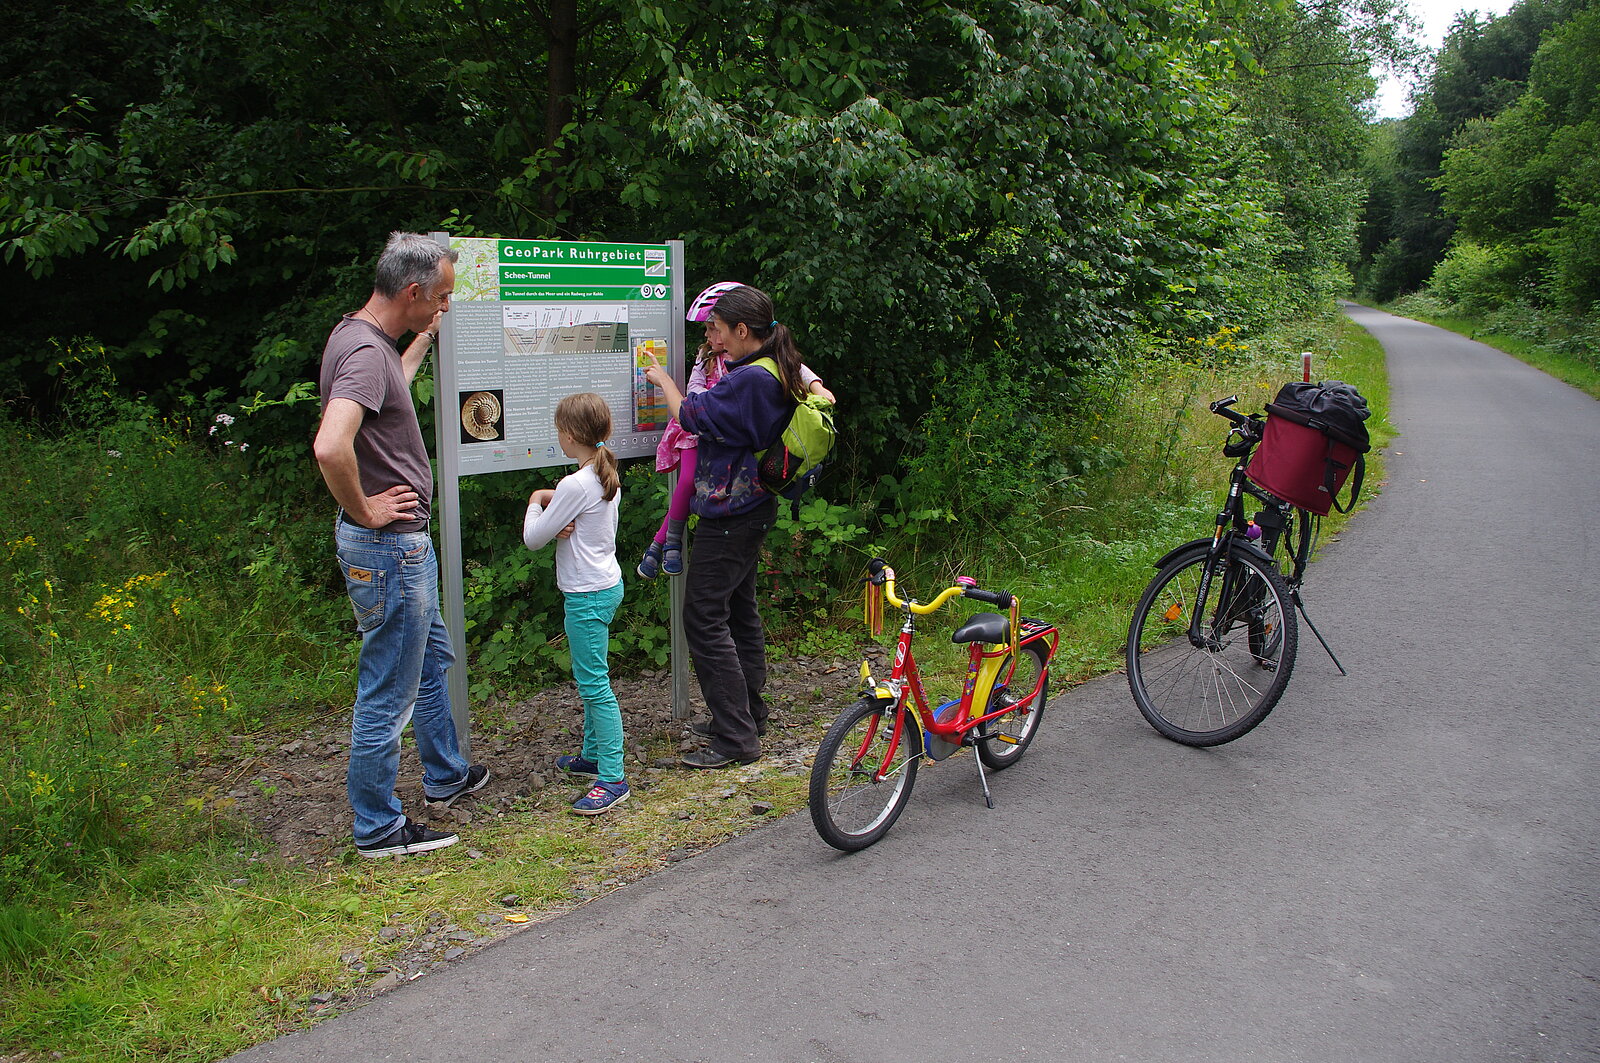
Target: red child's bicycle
(867, 763)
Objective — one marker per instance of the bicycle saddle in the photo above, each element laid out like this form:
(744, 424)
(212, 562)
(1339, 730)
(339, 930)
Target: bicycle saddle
(983, 627)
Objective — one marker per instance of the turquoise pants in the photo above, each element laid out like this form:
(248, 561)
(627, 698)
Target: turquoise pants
(589, 615)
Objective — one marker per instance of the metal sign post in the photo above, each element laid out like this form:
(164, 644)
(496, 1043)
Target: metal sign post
(533, 321)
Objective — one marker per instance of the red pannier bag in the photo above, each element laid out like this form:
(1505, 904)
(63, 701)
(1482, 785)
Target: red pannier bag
(1313, 438)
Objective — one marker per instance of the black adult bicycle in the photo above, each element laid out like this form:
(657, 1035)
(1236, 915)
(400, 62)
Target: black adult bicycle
(1213, 639)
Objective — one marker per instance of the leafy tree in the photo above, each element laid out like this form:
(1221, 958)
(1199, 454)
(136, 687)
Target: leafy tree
(1527, 182)
(939, 195)
(1308, 126)
(1481, 69)
(909, 176)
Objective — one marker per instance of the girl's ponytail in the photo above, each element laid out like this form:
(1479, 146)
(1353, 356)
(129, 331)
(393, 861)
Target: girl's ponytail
(605, 467)
(587, 419)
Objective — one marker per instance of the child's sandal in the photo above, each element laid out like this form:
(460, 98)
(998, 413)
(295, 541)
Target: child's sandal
(672, 558)
(650, 564)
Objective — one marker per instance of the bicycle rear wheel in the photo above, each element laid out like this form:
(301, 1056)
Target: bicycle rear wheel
(1002, 741)
(850, 806)
(1214, 688)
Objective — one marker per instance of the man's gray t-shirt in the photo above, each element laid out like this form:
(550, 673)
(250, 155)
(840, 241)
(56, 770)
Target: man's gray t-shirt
(360, 363)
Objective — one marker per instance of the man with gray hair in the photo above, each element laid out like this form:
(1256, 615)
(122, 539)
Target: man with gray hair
(370, 450)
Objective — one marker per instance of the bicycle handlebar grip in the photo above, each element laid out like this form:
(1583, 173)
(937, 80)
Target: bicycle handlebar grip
(1220, 408)
(998, 598)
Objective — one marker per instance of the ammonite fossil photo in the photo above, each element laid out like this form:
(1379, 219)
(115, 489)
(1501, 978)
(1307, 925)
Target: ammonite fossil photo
(480, 415)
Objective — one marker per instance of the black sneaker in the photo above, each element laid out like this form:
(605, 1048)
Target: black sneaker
(477, 775)
(409, 837)
(702, 728)
(710, 758)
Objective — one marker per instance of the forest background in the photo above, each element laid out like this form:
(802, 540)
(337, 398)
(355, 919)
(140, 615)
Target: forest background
(1023, 241)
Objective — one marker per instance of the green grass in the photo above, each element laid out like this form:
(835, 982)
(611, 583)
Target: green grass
(193, 954)
(164, 932)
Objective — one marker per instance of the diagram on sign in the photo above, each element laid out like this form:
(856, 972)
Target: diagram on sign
(650, 410)
(570, 328)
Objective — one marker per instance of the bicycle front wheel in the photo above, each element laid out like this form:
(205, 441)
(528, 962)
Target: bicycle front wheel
(1208, 688)
(851, 805)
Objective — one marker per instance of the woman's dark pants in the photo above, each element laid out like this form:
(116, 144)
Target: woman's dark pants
(722, 625)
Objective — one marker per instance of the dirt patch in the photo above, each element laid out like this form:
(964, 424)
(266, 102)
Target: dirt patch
(291, 789)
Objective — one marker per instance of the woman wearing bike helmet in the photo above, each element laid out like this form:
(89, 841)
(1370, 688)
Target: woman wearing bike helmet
(678, 449)
(745, 412)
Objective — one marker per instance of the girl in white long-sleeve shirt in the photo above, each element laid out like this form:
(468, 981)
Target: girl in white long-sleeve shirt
(591, 582)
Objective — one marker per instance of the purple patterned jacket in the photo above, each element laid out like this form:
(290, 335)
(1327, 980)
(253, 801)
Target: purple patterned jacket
(744, 413)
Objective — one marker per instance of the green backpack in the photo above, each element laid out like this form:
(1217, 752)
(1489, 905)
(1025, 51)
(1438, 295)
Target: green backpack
(791, 465)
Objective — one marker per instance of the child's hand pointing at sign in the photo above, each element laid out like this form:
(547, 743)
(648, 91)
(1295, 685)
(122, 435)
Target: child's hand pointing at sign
(656, 373)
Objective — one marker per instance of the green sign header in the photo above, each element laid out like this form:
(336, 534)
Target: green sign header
(560, 270)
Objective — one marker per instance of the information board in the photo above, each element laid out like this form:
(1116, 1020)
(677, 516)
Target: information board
(532, 321)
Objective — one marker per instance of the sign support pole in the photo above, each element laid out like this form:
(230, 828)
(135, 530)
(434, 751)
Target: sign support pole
(680, 373)
(447, 504)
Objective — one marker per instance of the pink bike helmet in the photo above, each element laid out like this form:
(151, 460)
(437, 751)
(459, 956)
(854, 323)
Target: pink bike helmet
(700, 309)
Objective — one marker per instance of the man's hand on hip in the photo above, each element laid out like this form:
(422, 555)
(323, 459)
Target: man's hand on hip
(397, 503)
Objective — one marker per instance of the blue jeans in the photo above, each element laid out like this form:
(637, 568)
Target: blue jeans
(588, 623)
(393, 582)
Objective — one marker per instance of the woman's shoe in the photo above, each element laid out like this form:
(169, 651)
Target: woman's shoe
(710, 758)
(650, 564)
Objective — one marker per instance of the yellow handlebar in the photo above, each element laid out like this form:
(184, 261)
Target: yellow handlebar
(920, 609)
(874, 608)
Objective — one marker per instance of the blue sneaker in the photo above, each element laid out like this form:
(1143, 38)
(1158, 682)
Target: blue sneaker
(603, 796)
(575, 765)
(650, 564)
(672, 558)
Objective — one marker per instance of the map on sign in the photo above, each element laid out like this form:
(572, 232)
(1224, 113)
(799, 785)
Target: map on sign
(477, 270)
(533, 321)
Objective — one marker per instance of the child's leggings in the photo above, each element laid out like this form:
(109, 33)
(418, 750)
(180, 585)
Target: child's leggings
(682, 494)
(588, 624)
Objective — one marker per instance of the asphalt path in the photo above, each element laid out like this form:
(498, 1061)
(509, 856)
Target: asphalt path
(1400, 864)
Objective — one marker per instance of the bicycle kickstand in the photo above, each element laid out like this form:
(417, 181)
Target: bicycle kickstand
(988, 799)
(1303, 615)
